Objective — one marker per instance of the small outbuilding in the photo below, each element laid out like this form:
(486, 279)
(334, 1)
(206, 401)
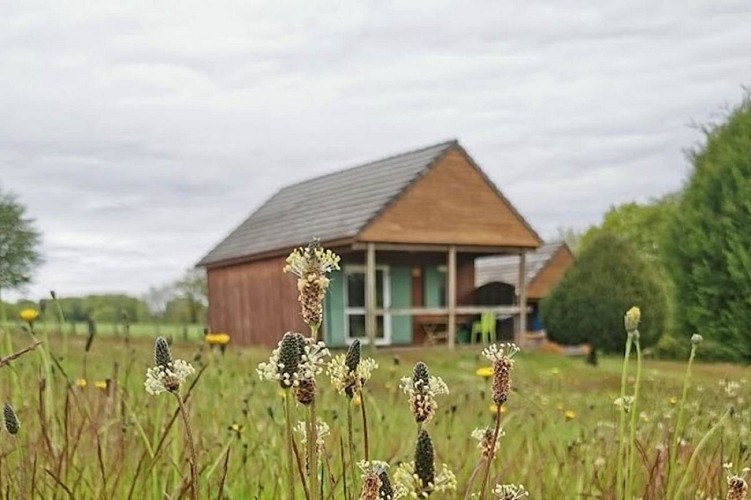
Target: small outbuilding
(408, 229)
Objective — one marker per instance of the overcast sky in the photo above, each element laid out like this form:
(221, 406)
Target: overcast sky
(138, 137)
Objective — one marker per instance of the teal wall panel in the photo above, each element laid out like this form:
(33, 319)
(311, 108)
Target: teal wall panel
(334, 311)
(401, 297)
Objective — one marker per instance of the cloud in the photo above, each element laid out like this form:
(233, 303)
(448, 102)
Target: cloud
(140, 135)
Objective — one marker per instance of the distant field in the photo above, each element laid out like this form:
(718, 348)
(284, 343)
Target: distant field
(560, 423)
(176, 331)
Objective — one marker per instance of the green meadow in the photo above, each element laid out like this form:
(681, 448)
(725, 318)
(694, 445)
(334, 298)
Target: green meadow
(113, 440)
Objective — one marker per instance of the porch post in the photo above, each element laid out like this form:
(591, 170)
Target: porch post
(522, 292)
(451, 296)
(370, 295)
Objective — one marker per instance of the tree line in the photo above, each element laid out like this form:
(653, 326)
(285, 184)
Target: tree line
(684, 258)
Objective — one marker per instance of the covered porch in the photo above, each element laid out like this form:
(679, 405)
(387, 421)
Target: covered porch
(411, 294)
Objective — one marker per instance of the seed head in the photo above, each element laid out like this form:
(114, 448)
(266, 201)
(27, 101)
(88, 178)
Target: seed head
(162, 353)
(421, 374)
(422, 389)
(510, 492)
(305, 392)
(502, 357)
(737, 485)
(696, 339)
(290, 352)
(10, 420)
(425, 460)
(353, 356)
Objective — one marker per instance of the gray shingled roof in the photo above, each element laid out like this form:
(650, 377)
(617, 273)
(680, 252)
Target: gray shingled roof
(329, 207)
(505, 268)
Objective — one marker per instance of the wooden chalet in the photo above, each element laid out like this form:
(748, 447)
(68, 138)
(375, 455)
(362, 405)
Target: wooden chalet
(544, 267)
(408, 229)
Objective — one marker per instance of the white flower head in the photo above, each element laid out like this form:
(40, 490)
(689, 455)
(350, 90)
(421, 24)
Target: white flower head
(510, 491)
(409, 484)
(283, 365)
(312, 361)
(498, 352)
(350, 382)
(624, 404)
(312, 259)
(167, 378)
(484, 436)
(422, 388)
(322, 430)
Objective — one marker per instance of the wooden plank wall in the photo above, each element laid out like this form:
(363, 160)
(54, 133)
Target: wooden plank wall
(255, 303)
(552, 272)
(451, 204)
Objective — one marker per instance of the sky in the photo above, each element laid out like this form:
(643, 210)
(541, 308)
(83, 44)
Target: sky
(138, 136)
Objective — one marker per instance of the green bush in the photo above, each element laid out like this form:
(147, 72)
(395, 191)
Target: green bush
(708, 244)
(589, 302)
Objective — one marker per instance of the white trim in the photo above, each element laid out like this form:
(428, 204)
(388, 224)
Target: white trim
(360, 311)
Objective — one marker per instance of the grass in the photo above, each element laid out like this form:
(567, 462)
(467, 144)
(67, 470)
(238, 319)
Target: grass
(560, 423)
(144, 330)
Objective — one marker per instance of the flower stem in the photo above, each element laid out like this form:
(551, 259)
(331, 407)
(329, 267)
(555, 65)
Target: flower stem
(486, 471)
(622, 420)
(290, 437)
(364, 425)
(21, 474)
(194, 491)
(312, 451)
(673, 448)
(634, 417)
(351, 444)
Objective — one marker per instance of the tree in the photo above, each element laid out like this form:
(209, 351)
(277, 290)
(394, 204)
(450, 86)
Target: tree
(588, 303)
(192, 289)
(708, 242)
(643, 225)
(19, 242)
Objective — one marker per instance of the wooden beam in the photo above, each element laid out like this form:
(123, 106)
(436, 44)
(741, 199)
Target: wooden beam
(451, 296)
(443, 311)
(370, 295)
(522, 292)
(419, 247)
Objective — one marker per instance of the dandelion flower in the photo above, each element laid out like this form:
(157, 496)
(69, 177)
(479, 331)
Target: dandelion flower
(168, 374)
(569, 414)
(216, 339)
(81, 382)
(422, 388)
(484, 372)
(29, 314)
(101, 384)
(501, 355)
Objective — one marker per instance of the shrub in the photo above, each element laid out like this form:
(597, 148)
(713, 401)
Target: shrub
(588, 304)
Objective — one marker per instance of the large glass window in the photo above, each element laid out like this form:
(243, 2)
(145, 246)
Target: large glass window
(354, 306)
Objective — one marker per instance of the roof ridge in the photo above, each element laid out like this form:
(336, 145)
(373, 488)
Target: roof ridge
(445, 144)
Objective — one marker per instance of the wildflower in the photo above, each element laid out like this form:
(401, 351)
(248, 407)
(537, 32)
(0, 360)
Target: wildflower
(283, 365)
(216, 339)
(310, 265)
(422, 388)
(569, 414)
(81, 382)
(673, 400)
(236, 429)
(484, 436)
(29, 315)
(599, 463)
(419, 479)
(501, 355)
(10, 419)
(696, 339)
(485, 372)
(311, 364)
(510, 492)
(624, 403)
(376, 483)
(737, 485)
(166, 375)
(101, 384)
(322, 430)
(347, 376)
(555, 371)
(631, 319)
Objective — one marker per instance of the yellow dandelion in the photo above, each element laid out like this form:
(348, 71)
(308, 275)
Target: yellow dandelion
(570, 414)
(673, 400)
(100, 384)
(237, 428)
(217, 338)
(494, 409)
(555, 371)
(29, 314)
(559, 407)
(81, 382)
(485, 372)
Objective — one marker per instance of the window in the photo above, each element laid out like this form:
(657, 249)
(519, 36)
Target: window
(354, 307)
